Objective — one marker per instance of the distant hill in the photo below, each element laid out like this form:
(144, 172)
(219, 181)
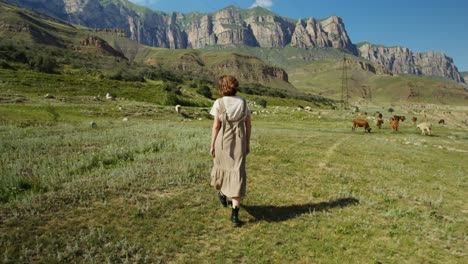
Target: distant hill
(27, 37)
(312, 74)
(364, 86)
(232, 26)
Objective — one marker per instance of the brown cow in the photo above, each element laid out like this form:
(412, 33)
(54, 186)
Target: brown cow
(378, 122)
(402, 118)
(442, 121)
(414, 119)
(394, 123)
(361, 123)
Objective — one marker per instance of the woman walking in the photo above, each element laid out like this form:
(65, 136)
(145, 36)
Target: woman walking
(230, 144)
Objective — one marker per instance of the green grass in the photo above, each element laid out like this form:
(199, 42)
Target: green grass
(324, 77)
(138, 191)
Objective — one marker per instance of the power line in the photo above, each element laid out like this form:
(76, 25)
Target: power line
(344, 85)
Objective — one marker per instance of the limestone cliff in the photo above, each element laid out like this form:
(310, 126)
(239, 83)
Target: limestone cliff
(256, 27)
(401, 60)
(329, 32)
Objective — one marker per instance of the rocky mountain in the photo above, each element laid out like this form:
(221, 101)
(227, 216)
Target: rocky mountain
(326, 33)
(401, 60)
(255, 27)
(232, 26)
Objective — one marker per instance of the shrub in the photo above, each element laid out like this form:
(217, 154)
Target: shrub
(391, 110)
(127, 75)
(169, 99)
(5, 65)
(172, 87)
(53, 112)
(43, 64)
(205, 91)
(262, 103)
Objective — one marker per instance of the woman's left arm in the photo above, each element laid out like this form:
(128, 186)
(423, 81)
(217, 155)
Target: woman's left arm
(214, 134)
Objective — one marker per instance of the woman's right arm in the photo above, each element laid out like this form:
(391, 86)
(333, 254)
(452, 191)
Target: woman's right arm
(214, 134)
(248, 129)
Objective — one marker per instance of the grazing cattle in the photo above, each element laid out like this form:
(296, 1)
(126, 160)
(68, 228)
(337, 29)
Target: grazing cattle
(402, 118)
(394, 123)
(442, 121)
(414, 119)
(361, 123)
(378, 122)
(177, 108)
(425, 126)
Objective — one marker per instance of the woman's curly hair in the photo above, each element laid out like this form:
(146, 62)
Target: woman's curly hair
(227, 85)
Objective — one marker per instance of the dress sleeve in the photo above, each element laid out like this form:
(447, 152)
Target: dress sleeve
(214, 108)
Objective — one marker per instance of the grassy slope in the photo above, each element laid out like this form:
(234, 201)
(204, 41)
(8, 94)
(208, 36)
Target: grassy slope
(138, 191)
(249, 69)
(324, 77)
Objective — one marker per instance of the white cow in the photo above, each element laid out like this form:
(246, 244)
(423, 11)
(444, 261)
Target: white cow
(425, 126)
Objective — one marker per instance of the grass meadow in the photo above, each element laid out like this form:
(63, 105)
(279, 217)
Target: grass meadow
(138, 191)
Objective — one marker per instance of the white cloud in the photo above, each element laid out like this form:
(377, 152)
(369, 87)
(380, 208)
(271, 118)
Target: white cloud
(263, 3)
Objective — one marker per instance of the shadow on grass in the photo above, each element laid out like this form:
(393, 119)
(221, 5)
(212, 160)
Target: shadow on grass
(281, 213)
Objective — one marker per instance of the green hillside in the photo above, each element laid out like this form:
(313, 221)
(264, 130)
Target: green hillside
(325, 78)
(33, 45)
(89, 179)
(33, 41)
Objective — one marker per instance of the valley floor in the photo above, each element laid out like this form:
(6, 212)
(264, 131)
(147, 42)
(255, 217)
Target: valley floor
(138, 191)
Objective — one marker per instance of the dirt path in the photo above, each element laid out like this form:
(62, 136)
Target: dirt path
(323, 163)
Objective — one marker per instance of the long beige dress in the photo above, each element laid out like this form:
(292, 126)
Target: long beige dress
(228, 174)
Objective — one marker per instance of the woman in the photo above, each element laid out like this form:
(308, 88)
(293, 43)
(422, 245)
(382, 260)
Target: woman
(230, 144)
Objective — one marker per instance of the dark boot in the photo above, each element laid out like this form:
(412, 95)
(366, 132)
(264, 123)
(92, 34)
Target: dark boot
(222, 199)
(235, 217)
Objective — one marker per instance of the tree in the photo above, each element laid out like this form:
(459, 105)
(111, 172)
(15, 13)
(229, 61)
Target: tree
(43, 64)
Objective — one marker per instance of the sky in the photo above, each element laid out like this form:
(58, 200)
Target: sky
(420, 25)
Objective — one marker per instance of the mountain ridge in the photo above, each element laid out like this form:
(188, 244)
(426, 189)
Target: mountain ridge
(257, 27)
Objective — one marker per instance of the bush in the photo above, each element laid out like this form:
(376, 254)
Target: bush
(128, 76)
(170, 99)
(43, 64)
(5, 65)
(53, 113)
(391, 110)
(262, 103)
(205, 91)
(12, 53)
(172, 87)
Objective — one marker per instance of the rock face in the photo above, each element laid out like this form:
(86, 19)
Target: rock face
(326, 33)
(102, 45)
(401, 60)
(229, 26)
(255, 27)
